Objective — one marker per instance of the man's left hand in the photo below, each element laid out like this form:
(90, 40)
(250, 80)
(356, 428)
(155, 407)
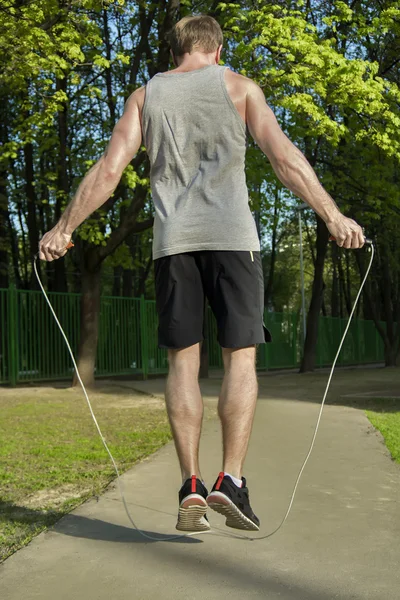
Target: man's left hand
(53, 244)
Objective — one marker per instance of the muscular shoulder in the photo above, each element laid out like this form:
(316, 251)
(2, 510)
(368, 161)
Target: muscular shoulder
(240, 83)
(240, 89)
(136, 99)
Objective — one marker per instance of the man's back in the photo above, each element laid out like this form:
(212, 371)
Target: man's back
(196, 141)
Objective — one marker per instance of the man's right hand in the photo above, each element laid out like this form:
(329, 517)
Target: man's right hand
(347, 233)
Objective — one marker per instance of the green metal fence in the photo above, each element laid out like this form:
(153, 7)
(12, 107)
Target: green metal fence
(363, 343)
(32, 348)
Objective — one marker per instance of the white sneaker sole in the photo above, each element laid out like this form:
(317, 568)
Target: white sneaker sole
(234, 517)
(191, 515)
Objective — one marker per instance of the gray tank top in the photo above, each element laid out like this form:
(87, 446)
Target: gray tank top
(196, 142)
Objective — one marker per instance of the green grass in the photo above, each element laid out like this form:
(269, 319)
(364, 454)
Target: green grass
(52, 458)
(386, 418)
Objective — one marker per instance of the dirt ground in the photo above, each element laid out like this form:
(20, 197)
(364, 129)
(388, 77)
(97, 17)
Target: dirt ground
(356, 387)
(110, 393)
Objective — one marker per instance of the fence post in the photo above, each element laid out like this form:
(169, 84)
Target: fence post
(12, 335)
(144, 337)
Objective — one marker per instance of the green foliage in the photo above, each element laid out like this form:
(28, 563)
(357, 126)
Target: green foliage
(92, 232)
(328, 70)
(131, 178)
(121, 257)
(302, 70)
(41, 42)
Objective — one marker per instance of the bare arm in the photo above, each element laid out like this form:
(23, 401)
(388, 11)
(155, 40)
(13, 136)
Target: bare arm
(100, 181)
(293, 169)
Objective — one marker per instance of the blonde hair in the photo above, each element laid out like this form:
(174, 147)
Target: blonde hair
(195, 33)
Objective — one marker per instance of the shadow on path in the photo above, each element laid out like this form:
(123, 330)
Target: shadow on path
(370, 389)
(96, 529)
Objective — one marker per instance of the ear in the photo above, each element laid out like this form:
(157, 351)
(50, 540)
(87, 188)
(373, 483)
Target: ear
(218, 54)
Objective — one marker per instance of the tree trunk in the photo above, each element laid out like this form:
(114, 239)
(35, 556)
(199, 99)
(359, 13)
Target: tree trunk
(92, 259)
(390, 356)
(4, 215)
(110, 97)
(143, 275)
(32, 202)
(308, 362)
(270, 278)
(335, 284)
(127, 283)
(389, 334)
(204, 361)
(89, 331)
(392, 325)
(170, 12)
(60, 276)
(116, 286)
(4, 234)
(15, 255)
(344, 283)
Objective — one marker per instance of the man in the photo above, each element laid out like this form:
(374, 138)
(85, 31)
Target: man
(193, 122)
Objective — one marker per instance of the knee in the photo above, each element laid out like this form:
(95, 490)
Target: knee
(185, 360)
(240, 359)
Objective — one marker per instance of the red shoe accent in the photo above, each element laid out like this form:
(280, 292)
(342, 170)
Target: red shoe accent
(194, 484)
(220, 478)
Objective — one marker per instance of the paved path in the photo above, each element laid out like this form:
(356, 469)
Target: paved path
(342, 539)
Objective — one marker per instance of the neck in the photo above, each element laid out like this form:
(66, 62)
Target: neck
(197, 60)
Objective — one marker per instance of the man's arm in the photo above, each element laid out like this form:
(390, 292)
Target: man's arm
(293, 169)
(100, 181)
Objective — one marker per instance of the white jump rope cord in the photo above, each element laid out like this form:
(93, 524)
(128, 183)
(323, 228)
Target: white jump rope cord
(162, 537)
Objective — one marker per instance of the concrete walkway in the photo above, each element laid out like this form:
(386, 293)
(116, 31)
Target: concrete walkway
(342, 539)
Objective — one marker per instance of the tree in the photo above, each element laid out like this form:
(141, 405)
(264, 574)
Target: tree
(328, 69)
(333, 93)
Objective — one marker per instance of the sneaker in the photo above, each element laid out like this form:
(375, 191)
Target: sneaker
(233, 502)
(192, 506)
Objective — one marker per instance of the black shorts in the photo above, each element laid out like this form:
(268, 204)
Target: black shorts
(233, 283)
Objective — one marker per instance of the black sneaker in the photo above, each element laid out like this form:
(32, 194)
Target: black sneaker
(231, 501)
(192, 506)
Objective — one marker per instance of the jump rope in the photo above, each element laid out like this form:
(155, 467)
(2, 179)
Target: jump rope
(162, 537)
